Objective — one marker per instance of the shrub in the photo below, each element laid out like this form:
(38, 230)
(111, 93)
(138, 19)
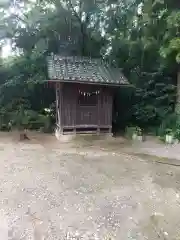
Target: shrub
(170, 126)
(26, 119)
(131, 130)
(170, 122)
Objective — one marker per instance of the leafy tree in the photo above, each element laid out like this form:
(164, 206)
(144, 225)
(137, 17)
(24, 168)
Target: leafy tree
(141, 37)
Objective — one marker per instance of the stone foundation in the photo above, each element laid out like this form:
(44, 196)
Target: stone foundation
(70, 137)
(64, 138)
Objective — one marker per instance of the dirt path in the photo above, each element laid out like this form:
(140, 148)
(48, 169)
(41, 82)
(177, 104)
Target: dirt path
(50, 190)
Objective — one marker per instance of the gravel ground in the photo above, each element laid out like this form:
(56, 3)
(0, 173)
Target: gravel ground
(58, 191)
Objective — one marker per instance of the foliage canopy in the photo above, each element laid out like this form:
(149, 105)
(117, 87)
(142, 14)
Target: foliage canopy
(141, 37)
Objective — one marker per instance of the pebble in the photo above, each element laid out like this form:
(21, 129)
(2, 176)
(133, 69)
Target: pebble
(109, 207)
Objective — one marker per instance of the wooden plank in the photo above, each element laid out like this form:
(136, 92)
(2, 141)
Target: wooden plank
(87, 126)
(74, 116)
(70, 104)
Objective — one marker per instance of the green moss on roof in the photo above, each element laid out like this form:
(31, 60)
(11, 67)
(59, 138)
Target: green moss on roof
(82, 69)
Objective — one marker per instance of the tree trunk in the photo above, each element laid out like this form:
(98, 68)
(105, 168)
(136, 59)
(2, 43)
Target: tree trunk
(178, 95)
(83, 39)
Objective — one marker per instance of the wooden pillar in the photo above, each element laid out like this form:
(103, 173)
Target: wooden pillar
(57, 94)
(59, 98)
(75, 103)
(177, 107)
(99, 112)
(61, 105)
(110, 106)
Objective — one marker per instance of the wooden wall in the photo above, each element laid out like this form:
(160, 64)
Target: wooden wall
(73, 117)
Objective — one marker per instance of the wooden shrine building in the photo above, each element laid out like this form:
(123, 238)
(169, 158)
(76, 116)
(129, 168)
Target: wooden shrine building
(84, 93)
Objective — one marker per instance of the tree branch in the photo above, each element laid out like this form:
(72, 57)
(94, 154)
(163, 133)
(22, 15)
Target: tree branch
(74, 11)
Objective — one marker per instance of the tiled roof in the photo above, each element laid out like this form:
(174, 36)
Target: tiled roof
(81, 69)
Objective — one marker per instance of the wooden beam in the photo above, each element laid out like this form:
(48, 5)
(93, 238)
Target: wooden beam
(91, 83)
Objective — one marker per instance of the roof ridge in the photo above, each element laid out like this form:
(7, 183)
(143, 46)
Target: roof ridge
(76, 58)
